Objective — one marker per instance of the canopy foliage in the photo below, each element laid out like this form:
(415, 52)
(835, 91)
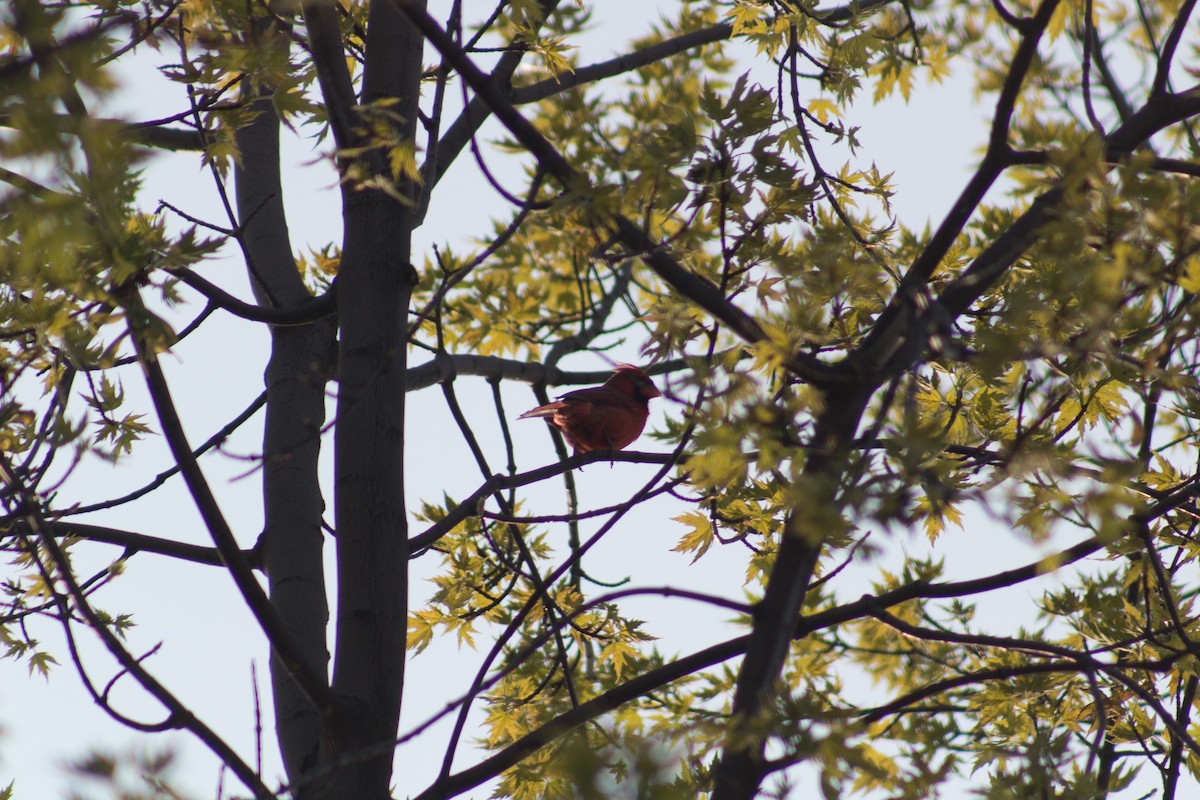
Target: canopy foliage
(707, 204)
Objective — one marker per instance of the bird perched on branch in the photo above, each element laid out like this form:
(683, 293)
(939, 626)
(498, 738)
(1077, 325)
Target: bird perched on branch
(607, 417)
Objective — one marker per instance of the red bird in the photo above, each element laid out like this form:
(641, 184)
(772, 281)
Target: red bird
(606, 417)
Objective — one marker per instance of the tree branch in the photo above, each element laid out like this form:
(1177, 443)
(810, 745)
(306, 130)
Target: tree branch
(599, 317)
(1162, 74)
(520, 95)
(305, 312)
(1115, 92)
(628, 62)
(176, 140)
(447, 367)
(469, 507)
(1158, 113)
(890, 334)
(1041, 158)
(163, 476)
(21, 66)
(329, 58)
(446, 150)
(140, 543)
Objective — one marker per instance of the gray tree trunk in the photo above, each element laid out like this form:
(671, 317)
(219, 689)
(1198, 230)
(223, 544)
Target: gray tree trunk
(299, 366)
(374, 288)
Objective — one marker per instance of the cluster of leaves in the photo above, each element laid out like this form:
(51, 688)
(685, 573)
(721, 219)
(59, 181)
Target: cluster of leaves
(137, 776)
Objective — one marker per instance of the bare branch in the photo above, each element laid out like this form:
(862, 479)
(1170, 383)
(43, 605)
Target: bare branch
(305, 312)
(447, 366)
(163, 476)
(469, 506)
(138, 542)
(1162, 76)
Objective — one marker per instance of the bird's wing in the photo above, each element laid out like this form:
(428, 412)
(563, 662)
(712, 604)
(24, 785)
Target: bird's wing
(581, 402)
(599, 396)
(559, 408)
(599, 426)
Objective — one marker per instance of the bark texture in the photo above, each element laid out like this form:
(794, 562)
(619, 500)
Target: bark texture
(374, 288)
(292, 539)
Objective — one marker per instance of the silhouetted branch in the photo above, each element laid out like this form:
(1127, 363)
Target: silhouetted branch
(163, 476)
(306, 312)
(641, 685)
(137, 542)
(469, 507)
(329, 57)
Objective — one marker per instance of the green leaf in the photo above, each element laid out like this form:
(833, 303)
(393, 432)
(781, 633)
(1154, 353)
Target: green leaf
(699, 538)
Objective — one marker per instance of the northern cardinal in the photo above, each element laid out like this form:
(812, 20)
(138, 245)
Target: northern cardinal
(606, 417)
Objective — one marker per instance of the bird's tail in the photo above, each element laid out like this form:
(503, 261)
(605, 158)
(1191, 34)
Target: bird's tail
(541, 411)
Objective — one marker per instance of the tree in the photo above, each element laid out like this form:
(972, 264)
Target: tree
(837, 376)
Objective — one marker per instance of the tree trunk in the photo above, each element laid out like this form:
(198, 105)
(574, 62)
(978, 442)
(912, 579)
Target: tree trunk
(295, 379)
(374, 287)
(740, 772)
